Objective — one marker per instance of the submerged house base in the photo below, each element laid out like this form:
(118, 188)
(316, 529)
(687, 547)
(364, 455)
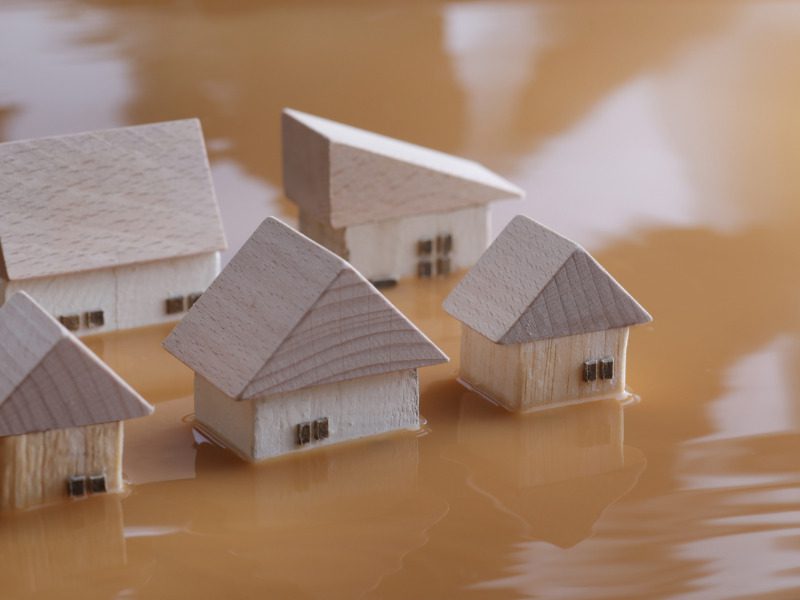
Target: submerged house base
(276, 424)
(544, 373)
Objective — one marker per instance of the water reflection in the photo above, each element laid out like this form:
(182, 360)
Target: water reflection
(329, 523)
(556, 471)
(55, 550)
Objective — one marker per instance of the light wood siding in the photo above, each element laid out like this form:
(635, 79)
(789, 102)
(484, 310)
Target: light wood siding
(34, 467)
(528, 376)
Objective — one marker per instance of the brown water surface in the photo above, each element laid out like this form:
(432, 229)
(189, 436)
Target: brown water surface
(665, 136)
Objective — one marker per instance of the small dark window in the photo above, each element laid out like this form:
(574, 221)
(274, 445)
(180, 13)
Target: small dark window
(191, 299)
(444, 244)
(590, 370)
(175, 305)
(424, 247)
(303, 434)
(95, 318)
(321, 429)
(97, 484)
(607, 368)
(71, 322)
(76, 486)
(443, 266)
(424, 268)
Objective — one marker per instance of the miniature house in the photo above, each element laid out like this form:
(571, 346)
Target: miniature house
(110, 229)
(61, 411)
(292, 348)
(543, 323)
(391, 208)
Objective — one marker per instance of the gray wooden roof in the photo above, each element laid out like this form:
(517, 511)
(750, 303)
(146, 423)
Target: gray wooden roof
(50, 380)
(533, 284)
(106, 198)
(286, 314)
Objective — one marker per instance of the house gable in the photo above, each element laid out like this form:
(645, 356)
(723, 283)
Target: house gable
(285, 298)
(50, 380)
(534, 284)
(351, 331)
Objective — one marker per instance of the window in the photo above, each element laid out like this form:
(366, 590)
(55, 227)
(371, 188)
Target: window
(94, 318)
(175, 305)
(71, 322)
(321, 429)
(191, 299)
(433, 256)
(590, 370)
(97, 484)
(76, 486)
(303, 433)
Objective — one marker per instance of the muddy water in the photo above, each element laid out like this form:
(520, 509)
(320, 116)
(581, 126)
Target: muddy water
(663, 136)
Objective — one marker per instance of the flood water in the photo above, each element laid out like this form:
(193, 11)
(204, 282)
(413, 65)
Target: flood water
(663, 136)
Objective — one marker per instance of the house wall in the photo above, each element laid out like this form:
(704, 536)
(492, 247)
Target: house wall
(266, 427)
(229, 420)
(539, 374)
(35, 467)
(129, 296)
(388, 249)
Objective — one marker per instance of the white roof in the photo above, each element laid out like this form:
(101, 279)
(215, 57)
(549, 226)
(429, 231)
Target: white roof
(106, 198)
(50, 380)
(532, 284)
(346, 176)
(286, 314)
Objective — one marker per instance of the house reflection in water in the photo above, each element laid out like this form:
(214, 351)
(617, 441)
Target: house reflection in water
(556, 471)
(329, 523)
(57, 549)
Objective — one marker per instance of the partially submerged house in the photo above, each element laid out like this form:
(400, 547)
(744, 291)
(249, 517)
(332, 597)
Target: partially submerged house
(110, 229)
(292, 348)
(543, 323)
(391, 208)
(61, 411)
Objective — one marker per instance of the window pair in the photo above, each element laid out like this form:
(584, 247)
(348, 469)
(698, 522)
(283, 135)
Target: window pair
(179, 304)
(89, 319)
(602, 368)
(80, 485)
(317, 429)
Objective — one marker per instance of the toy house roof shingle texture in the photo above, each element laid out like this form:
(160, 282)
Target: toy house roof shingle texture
(105, 199)
(286, 314)
(348, 176)
(50, 380)
(534, 284)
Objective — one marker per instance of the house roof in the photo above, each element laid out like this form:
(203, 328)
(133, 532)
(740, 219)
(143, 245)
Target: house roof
(286, 314)
(105, 199)
(533, 284)
(347, 176)
(50, 380)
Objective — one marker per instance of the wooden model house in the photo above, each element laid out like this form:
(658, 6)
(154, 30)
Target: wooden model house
(391, 208)
(110, 229)
(543, 323)
(293, 348)
(61, 411)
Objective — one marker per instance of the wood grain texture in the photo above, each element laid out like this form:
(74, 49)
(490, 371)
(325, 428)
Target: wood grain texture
(50, 380)
(350, 332)
(265, 426)
(363, 177)
(534, 284)
(388, 249)
(262, 307)
(35, 467)
(129, 296)
(106, 198)
(524, 377)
